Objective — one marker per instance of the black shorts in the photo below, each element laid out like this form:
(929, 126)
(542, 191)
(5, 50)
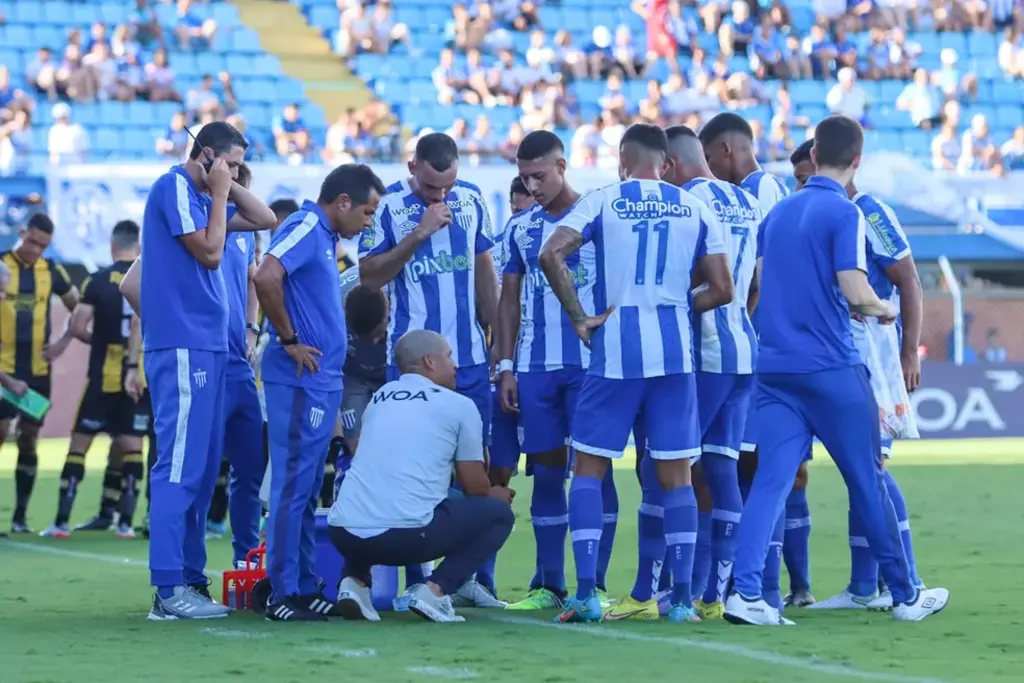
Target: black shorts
(40, 385)
(115, 414)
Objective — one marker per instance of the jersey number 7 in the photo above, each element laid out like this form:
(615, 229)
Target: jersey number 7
(661, 230)
(744, 233)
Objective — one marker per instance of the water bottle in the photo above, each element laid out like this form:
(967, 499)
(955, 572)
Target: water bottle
(385, 586)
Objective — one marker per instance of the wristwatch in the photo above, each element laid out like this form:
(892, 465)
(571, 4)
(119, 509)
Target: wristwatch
(292, 341)
(255, 329)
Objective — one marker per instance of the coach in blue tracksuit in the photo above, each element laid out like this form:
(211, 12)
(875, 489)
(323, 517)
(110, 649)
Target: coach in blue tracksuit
(299, 291)
(810, 379)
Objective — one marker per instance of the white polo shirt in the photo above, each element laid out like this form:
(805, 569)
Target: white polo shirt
(414, 432)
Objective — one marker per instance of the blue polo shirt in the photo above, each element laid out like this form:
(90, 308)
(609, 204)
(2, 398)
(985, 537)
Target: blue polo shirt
(239, 254)
(184, 303)
(305, 246)
(804, 319)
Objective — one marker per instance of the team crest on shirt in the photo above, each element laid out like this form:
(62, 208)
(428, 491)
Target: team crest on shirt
(316, 417)
(464, 219)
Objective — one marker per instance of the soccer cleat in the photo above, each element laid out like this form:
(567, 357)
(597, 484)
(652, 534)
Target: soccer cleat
(293, 608)
(475, 594)
(664, 600)
(845, 600)
(681, 614)
(354, 601)
(97, 523)
(883, 603)
(320, 603)
(125, 531)
(799, 598)
(19, 527)
(537, 599)
(929, 601)
(606, 600)
(632, 609)
(401, 602)
(423, 602)
(710, 611)
(186, 603)
(744, 612)
(578, 611)
(215, 530)
(56, 531)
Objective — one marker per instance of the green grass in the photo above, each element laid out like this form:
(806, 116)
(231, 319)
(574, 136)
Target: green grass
(74, 610)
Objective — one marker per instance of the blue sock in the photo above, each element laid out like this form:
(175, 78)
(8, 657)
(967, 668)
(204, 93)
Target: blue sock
(899, 503)
(770, 589)
(414, 574)
(665, 582)
(585, 525)
(650, 543)
(797, 544)
(165, 592)
(863, 568)
(681, 540)
(723, 480)
(550, 514)
(702, 555)
(485, 575)
(610, 521)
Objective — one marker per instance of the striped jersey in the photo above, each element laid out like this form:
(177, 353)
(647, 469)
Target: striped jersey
(547, 338)
(728, 344)
(436, 290)
(768, 189)
(886, 245)
(647, 237)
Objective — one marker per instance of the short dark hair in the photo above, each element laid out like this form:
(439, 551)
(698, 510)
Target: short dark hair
(802, 152)
(244, 176)
(218, 136)
(358, 181)
(726, 122)
(518, 187)
(437, 149)
(284, 207)
(646, 135)
(538, 144)
(838, 140)
(125, 234)
(364, 310)
(676, 132)
(40, 221)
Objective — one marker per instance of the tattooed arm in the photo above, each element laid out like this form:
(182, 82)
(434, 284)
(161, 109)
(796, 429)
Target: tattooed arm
(563, 243)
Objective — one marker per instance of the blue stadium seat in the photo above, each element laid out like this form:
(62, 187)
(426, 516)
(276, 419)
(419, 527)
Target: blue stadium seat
(324, 17)
(106, 140)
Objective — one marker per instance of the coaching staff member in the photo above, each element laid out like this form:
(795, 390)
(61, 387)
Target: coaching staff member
(393, 505)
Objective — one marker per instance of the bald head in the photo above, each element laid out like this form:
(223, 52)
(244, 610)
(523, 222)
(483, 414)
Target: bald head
(414, 345)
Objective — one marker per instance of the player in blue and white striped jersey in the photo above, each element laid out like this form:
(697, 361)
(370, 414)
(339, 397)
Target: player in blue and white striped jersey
(430, 245)
(725, 357)
(649, 237)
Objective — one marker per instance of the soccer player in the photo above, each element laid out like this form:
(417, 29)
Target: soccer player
(137, 389)
(519, 197)
(183, 306)
(430, 245)
(893, 276)
(543, 383)
(25, 348)
(810, 378)
(725, 357)
(301, 373)
(649, 237)
(102, 319)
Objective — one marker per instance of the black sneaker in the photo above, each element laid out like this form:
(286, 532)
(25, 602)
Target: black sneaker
(19, 527)
(321, 604)
(293, 608)
(97, 524)
(203, 588)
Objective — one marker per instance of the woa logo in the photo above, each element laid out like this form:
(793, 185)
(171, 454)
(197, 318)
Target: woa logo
(441, 264)
(649, 208)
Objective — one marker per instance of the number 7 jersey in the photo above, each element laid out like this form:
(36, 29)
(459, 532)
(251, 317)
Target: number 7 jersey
(648, 236)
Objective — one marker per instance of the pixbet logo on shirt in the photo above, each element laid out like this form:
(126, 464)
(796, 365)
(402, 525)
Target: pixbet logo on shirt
(648, 209)
(442, 263)
(580, 277)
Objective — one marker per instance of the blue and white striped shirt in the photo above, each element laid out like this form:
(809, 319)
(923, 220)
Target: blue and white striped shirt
(436, 289)
(547, 338)
(647, 235)
(886, 245)
(768, 189)
(728, 344)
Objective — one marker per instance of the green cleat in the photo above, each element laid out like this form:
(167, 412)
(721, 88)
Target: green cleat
(537, 599)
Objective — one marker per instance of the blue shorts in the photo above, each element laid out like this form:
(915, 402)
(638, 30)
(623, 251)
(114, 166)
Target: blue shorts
(504, 449)
(473, 382)
(664, 407)
(723, 401)
(749, 442)
(547, 406)
(886, 450)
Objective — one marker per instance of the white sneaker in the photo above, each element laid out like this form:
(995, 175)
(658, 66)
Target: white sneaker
(757, 613)
(475, 594)
(424, 603)
(929, 601)
(845, 600)
(401, 602)
(354, 601)
(883, 603)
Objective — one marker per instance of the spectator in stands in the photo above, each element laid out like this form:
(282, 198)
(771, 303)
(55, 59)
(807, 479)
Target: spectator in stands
(78, 81)
(994, 352)
(519, 15)
(479, 26)
(848, 98)
(949, 79)
(978, 151)
(122, 42)
(766, 46)
(203, 98)
(741, 91)
(614, 100)
(847, 54)
(97, 34)
(946, 148)
(456, 29)
(921, 100)
(800, 64)
(11, 99)
(160, 79)
(478, 80)
(680, 36)
(879, 64)
(760, 140)
(16, 143)
(626, 56)
(483, 143)
(736, 32)
(711, 13)
(386, 31)
(599, 53)
(650, 109)
(291, 137)
(334, 152)
(131, 76)
(355, 31)
(540, 55)
(506, 81)
(782, 108)
(175, 142)
(450, 79)
(105, 67)
(145, 27)
(41, 74)
(829, 12)
(193, 32)
(780, 143)
(510, 144)
(570, 60)
(1013, 151)
(903, 54)
(1011, 53)
(384, 127)
(459, 132)
(68, 141)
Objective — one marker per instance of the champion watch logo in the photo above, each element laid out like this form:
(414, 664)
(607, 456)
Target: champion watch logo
(199, 376)
(316, 417)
